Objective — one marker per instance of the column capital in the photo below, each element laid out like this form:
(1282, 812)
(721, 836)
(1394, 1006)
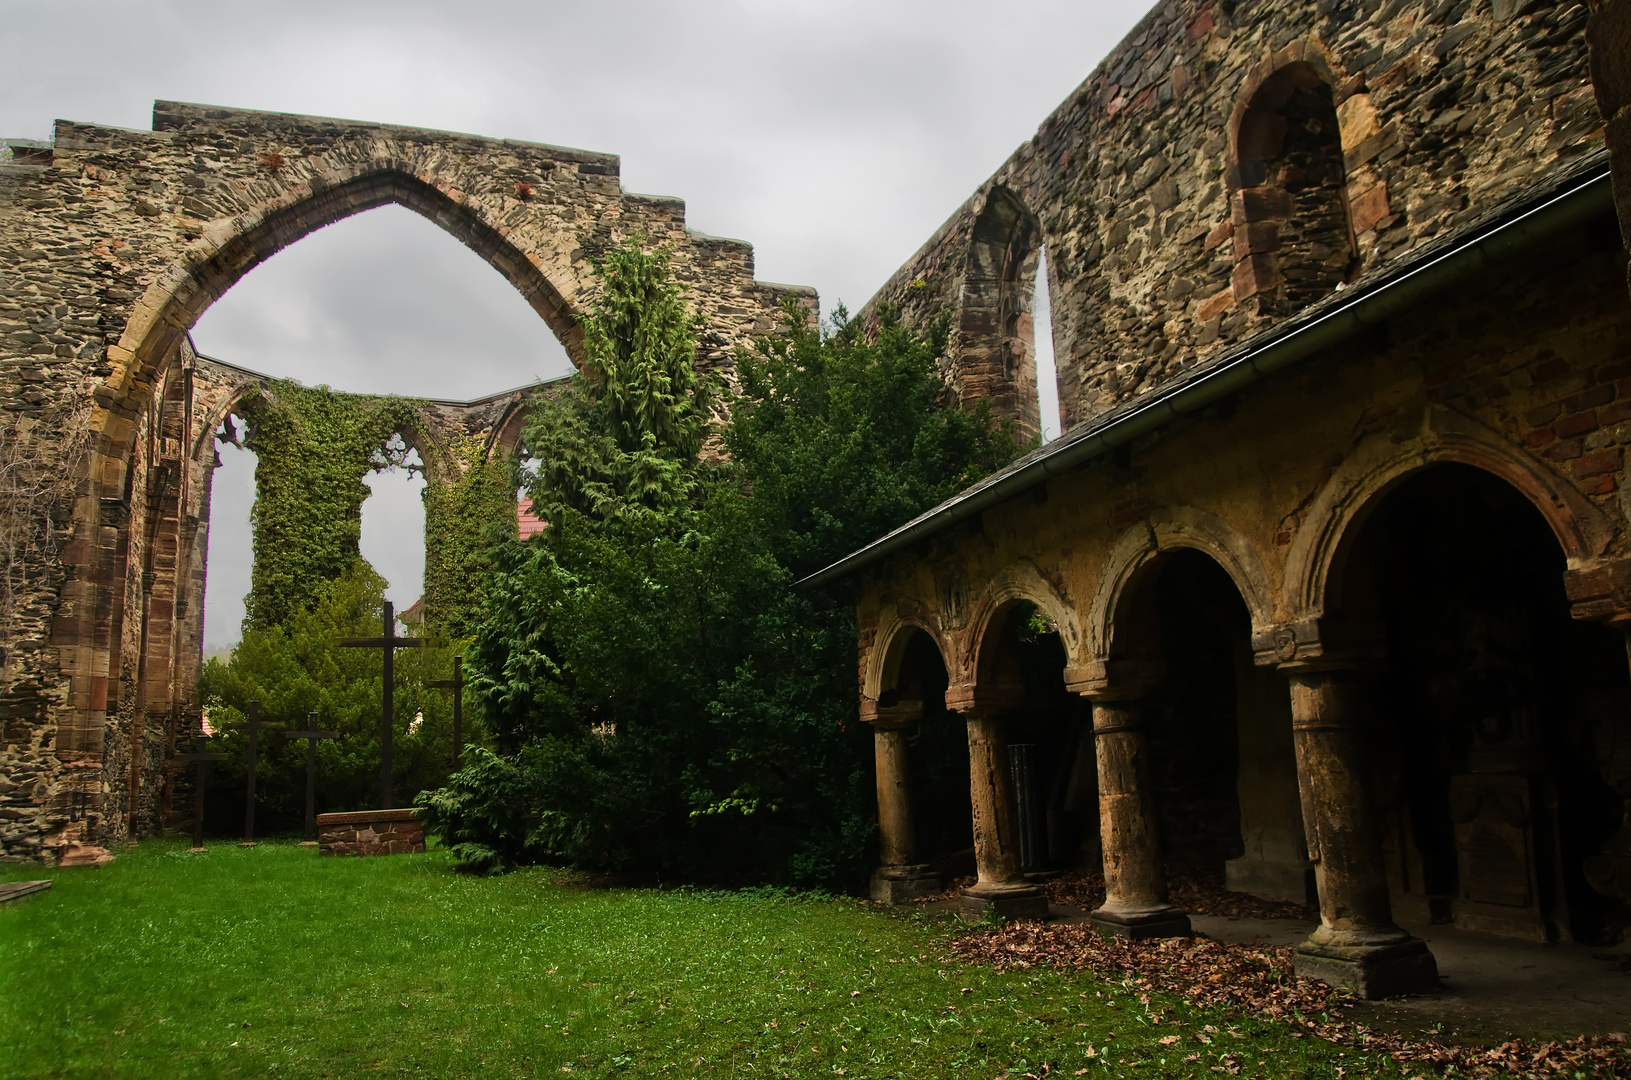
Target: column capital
(1113, 680)
(1600, 592)
(972, 700)
(1318, 643)
(902, 714)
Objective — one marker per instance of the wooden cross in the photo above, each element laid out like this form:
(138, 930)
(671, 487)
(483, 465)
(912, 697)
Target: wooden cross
(202, 762)
(455, 684)
(388, 643)
(253, 725)
(311, 735)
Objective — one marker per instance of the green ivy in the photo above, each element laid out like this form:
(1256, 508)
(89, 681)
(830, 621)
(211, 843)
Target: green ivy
(464, 517)
(314, 447)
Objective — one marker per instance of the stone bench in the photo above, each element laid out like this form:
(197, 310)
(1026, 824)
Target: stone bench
(372, 832)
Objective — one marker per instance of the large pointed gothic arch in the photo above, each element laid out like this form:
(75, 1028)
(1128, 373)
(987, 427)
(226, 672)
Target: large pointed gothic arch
(138, 233)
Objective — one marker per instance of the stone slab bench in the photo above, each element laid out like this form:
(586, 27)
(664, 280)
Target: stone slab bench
(16, 890)
(372, 832)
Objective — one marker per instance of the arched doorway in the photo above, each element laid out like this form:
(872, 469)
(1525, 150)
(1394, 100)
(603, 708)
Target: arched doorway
(1221, 767)
(1055, 788)
(1499, 726)
(921, 764)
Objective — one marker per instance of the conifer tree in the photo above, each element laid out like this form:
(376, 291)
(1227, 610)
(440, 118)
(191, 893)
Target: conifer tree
(623, 434)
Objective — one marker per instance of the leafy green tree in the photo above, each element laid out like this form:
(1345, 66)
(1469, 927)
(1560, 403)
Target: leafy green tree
(659, 689)
(296, 669)
(624, 435)
(847, 433)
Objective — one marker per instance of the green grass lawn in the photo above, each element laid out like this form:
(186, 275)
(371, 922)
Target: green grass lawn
(272, 961)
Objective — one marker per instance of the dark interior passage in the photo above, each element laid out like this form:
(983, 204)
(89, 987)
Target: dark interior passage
(1051, 741)
(1192, 718)
(1503, 725)
(942, 810)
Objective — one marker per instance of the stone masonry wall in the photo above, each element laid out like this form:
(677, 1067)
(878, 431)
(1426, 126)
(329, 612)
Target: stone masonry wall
(1525, 373)
(1159, 242)
(372, 832)
(112, 243)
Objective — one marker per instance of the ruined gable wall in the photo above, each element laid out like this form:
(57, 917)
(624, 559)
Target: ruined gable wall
(111, 245)
(1445, 108)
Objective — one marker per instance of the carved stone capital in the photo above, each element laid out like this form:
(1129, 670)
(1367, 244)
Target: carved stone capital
(1318, 645)
(1113, 680)
(971, 700)
(1600, 592)
(901, 714)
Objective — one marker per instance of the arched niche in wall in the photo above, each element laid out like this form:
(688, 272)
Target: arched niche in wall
(1293, 238)
(996, 337)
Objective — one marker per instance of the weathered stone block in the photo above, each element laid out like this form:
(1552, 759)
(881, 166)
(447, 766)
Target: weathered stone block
(372, 832)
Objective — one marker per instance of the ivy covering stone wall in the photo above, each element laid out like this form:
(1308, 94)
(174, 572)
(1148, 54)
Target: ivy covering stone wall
(314, 448)
(465, 516)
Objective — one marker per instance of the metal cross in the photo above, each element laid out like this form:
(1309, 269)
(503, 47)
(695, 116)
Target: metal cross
(253, 725)
(311, 735)
(388, 643)
(455, 684)
(202, 762)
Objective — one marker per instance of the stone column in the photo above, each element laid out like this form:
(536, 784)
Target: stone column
(1135, 881)
(901, 877)
(996, 855)
(1357, 944)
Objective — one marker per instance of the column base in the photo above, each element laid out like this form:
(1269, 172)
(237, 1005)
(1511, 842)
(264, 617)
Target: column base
(1372, 964)
(1137, 923)
(1013, 903)
(898, 884)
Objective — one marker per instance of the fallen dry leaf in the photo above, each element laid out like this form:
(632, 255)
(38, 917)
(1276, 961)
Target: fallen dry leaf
(1259, 980)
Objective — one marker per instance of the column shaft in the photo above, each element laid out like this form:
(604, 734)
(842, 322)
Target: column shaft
(991, 787)
(1357, 943)
(1135, 883)
(898, 839)
(901, 877)
(996, 854)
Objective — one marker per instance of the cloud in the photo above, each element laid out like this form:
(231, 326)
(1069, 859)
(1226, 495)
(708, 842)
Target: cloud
(834, 136)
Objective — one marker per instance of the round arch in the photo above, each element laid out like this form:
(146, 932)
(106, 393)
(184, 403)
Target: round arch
(1020, 581)
(894, 633)
(1307, 52)
(1167, 530)
(1346, 501)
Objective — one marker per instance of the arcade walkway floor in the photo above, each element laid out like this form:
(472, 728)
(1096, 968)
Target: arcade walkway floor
(1492, 986)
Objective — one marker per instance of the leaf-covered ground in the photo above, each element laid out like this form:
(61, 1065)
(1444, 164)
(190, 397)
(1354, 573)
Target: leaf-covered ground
(1256, 980)
(273, 962)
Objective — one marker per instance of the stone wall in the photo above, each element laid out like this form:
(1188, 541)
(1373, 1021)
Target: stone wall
(1174, 202)
(372, 832)
(1609, 32)
(111, 246)
(1523, 372)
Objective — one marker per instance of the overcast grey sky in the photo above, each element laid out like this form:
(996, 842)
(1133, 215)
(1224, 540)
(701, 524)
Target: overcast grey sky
(834, 135)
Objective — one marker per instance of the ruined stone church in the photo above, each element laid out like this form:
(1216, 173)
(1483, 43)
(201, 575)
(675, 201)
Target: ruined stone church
(1324, 587)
